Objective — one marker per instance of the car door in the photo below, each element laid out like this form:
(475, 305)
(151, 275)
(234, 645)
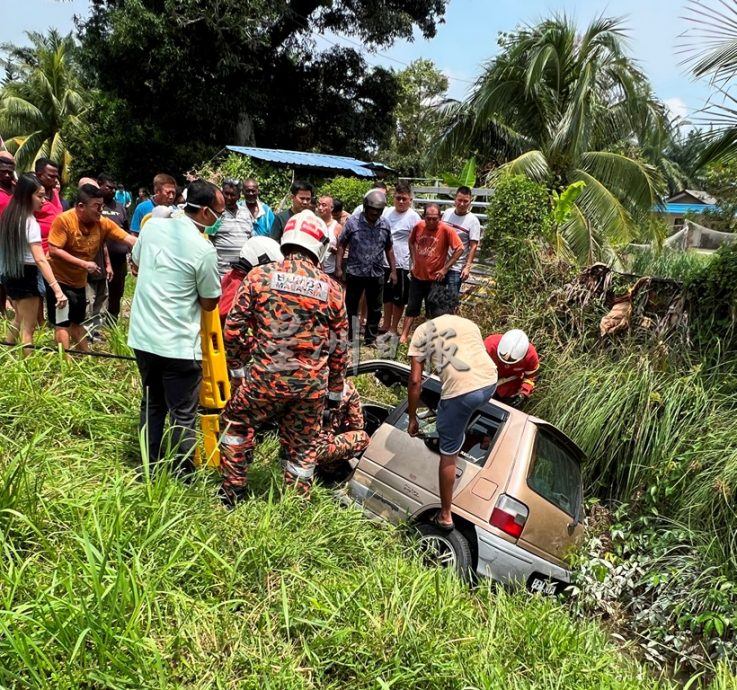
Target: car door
(547, 480)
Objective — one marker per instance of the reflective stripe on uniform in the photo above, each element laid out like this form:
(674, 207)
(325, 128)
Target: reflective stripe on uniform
(232, 440)
(300, 472)
(507, 379)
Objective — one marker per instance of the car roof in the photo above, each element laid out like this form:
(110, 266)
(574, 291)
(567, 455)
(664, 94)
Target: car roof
(390, 371)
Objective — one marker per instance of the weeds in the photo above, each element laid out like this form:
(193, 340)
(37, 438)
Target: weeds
(110, 581)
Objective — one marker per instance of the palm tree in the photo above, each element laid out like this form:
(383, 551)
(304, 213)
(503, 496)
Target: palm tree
(711, 49)
(560, 107)
(40, 98)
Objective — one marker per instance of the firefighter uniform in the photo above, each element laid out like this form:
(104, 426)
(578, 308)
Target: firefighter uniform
(516, 379)
(345, 436)
(288, 326)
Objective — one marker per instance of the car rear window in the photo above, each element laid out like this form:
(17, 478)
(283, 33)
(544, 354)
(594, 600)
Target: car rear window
(555, 473)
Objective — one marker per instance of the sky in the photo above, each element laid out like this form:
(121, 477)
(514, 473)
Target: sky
(468, 37)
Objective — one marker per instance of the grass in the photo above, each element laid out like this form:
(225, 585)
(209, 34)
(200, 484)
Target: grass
(109, 581)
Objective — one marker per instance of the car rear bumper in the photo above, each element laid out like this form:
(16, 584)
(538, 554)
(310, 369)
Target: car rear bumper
(510, 563)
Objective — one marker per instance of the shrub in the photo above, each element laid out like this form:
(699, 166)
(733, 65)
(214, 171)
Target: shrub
(712, 301)
(517, 218)
(273, 181)
(350, 190)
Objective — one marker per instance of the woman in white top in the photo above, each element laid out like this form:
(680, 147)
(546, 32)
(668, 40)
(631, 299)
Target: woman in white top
(22, 260)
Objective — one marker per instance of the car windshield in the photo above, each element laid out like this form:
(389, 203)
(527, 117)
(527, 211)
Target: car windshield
(555, 473)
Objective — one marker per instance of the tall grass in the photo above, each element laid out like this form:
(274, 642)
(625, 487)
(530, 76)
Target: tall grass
(109, 581)
(677, 265)
(668, 433)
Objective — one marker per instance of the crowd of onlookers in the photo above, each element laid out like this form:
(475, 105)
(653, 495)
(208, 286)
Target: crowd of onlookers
(296, 289)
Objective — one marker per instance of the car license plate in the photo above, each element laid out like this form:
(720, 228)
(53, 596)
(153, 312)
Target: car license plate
(544, 585)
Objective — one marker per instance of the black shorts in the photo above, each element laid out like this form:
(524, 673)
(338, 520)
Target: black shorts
(419, 290)
(397, 294)
(77, 305)
(30, 284)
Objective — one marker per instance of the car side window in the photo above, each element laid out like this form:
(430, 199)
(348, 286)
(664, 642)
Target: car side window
(480, 439)
(555, 473)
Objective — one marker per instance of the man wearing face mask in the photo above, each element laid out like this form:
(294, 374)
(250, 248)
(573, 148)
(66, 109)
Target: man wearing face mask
(177, 279)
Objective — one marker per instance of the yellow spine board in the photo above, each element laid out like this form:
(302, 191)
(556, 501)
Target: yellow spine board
(215, 389)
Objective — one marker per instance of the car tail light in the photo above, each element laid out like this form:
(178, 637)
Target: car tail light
(509, 516)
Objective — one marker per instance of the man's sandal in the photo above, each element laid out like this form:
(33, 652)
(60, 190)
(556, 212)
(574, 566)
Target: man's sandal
(446, 527)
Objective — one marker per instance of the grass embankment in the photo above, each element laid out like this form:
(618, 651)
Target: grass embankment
(112, 582)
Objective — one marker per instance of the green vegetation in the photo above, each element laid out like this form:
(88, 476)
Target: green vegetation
(273, 181)
(350, 190)
(41, 99)
(555, 105)
(111, 580)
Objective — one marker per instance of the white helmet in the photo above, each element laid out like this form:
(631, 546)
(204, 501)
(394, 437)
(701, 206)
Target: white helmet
(306, 230)
(260, 250)
(513, 346)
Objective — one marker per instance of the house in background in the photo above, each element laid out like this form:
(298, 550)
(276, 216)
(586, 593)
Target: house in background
(686, 201)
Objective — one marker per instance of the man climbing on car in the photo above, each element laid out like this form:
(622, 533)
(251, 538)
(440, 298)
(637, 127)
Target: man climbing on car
(455, 348)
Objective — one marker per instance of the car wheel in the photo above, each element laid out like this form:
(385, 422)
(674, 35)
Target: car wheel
(446, 549)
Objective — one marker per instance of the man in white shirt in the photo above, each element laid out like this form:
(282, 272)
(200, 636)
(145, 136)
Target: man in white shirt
(402, 219)
(324, 210)
(455, 349)
(177, 279)
(468, 228)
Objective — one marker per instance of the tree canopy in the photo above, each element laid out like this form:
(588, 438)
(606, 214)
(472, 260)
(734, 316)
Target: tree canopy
(561, 106)
(181, 82)
(41, 99)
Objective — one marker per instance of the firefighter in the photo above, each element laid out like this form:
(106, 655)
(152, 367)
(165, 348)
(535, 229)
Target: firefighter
(256, 251)
(288, 325)
(517, 364)
(342, 435)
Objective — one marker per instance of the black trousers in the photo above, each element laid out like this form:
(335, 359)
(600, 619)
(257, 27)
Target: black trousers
(115, 288)
(355, 286)
(170, 386)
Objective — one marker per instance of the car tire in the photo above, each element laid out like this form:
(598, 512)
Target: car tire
(446, 549)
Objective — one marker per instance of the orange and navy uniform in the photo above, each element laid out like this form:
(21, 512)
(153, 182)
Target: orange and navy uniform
(345, 436)
(514, 379)
(286, 336)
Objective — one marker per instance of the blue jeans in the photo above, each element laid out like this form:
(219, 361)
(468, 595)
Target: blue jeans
(453, 281)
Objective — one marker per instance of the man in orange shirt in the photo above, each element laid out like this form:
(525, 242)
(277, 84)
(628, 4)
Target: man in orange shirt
(74, 241)
(433, 248)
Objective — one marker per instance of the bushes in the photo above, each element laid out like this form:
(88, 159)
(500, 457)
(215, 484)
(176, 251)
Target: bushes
(350, 190)
(273, 181)
(712, 301)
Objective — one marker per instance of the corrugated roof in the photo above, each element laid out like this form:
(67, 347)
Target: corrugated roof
(302, 159)
(689, 208)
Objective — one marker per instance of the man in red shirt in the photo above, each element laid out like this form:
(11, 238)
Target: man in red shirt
(7, 178)
(433, 248)
(7, 184)
(517, 364)
(47, 173)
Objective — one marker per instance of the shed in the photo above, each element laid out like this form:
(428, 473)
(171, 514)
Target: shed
(315, 162)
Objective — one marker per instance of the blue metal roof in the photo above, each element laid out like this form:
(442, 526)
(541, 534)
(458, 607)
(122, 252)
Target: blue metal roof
(683, 209)
(301, 159)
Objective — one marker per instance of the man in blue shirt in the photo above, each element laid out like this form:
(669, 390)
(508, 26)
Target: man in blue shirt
(123, 197)
(368, 239)
(261, 213)
(165, 191)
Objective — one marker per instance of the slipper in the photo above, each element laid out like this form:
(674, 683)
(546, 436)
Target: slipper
(442, 526)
